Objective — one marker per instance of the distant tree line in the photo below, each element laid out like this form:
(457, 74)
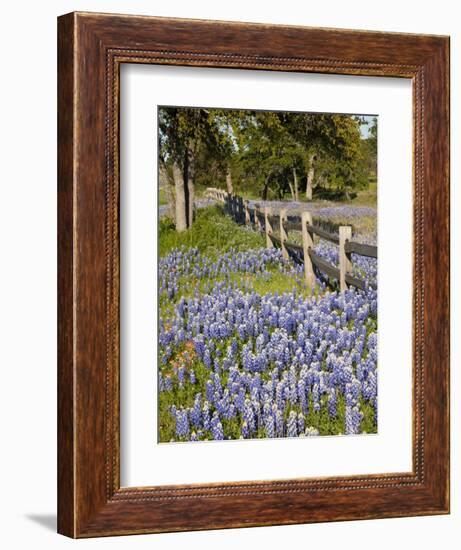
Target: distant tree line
(262, 153)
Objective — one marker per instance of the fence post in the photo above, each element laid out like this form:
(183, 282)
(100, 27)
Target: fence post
(257, 220)
(308, 243)
(283, 233)
(241, 215)
(247, 212)
(267, 223)
(345, 264)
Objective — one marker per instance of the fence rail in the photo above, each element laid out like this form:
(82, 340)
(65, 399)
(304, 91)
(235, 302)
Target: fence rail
(362, 249)
(266, 222)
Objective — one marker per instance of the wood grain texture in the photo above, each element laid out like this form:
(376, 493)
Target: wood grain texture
(91, 49)
(66, 297)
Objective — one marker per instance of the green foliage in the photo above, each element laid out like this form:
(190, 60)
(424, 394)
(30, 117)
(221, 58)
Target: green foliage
(213, 233)
(267, 151)
(263, 150)
(370, 150)
(338, 178)
(195, 131)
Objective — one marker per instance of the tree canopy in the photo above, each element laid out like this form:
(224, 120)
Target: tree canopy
(263, 153)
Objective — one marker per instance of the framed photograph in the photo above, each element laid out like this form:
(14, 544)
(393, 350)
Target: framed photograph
(238, 206)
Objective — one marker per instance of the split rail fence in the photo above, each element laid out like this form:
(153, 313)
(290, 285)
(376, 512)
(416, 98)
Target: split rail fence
(264, 221)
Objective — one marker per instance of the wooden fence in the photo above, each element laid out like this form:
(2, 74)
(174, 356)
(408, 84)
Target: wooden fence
(278, 227)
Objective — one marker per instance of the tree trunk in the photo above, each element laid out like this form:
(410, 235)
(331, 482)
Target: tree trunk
(292, 191)
(180, 199)
(230, 188)
(295, 184)
(265, 188)
(191, 188)
(310, 178)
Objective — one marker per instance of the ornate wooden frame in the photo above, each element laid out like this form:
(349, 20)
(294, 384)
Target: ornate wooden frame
(91, 49)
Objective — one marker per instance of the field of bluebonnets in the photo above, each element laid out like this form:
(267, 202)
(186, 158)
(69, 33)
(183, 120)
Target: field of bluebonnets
(247, 350)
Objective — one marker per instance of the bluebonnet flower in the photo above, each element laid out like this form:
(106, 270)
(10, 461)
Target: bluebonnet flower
(316, 397)
(223, 405)
(167, 383)
(161, 383)
(196, 411)
(301, 423)
(207, 358)
(248, 416)
(217, 431)
(210, 391)
(181, 376)
(351, 420)
(269, 425)
(332, 402)
(265, 354)
(206, 419)
(292, 425)
(182, 424)
(279, 423)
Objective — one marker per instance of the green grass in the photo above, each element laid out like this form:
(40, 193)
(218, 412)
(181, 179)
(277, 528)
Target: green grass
(367, 197)
(212, 233)
(274, 281)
